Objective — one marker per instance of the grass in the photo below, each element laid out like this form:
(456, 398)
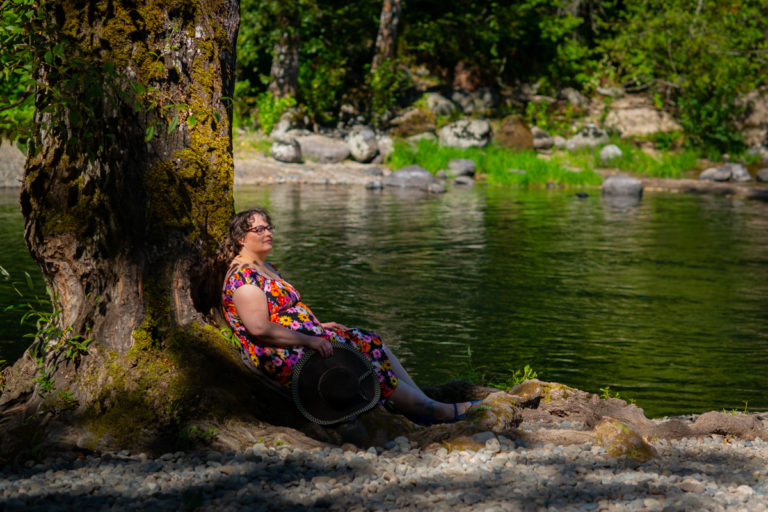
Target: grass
(494, 162)
(248, 143)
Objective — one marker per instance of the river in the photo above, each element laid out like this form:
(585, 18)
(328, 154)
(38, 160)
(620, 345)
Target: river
(664, 302)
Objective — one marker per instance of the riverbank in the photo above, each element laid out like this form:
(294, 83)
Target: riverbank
(707, 473)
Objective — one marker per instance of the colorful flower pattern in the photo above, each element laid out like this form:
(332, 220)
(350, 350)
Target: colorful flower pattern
(286, 309)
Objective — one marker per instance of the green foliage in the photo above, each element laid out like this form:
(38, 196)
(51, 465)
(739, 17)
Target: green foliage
(495, 162)
(668, 164)
(384, 85)
(551, 118)
(698, 57)
(270, 108)
(321, 81)
(479, 375)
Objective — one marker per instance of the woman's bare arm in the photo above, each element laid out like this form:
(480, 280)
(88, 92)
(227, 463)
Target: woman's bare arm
(251, 304)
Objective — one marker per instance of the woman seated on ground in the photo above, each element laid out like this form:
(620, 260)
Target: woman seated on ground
(274, 326)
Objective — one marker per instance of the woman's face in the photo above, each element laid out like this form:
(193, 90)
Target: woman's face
(255, 242)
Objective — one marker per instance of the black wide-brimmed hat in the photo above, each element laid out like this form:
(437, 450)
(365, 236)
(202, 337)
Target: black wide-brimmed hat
(337, 388)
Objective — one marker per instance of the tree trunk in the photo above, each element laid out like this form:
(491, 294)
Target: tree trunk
(284, 73)
(385, 40)
(124, 202)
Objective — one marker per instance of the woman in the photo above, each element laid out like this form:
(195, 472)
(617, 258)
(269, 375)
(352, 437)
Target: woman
(274, 326)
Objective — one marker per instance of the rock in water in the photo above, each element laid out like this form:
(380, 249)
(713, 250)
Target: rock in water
(412, 176)
(739, 173)
(622, 185)
(461, 167)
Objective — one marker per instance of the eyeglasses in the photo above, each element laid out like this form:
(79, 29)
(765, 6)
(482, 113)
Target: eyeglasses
(261, 229)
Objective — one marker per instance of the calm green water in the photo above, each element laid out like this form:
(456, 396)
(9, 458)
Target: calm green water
(665, 302)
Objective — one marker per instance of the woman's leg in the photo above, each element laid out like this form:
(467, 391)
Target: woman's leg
(412, 400)
(397, 368)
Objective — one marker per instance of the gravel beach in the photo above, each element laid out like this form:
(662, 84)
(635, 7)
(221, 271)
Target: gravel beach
(706, 473)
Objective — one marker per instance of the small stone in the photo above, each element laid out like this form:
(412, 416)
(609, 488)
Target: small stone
(691, 485)
(462, 167)
(464, 180)
(436, 188)
(715, 174)
(762, 175)
(374, 185)
(610, 153)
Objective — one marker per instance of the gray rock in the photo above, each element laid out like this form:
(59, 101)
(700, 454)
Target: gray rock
(464, 180)
(374, 171)
(574, 97)
(362, 143)
(483, 437)
(439, 104)
(461, 167)
(762, 175)
(716, 174)
(436, 188)
(386, 145)
(480, 101)
(611, 92)
(441, 175)
(466, 133)
(374, 185)
(322, 149)
(412, 176)
(559, 141)
(541, 139)
(622, 185)
(739, 173)
(414, 139)
(610, 153)
(588, 137)
(286, 151)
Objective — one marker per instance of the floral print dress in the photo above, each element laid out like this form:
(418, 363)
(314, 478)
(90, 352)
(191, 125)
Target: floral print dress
(286, 309)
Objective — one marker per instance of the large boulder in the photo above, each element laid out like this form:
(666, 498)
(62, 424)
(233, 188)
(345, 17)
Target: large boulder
(286, 151)
(588, 137)
(386, 145)
(762, 175)
(727, 172)
(322, 149)
(636, 116)
(439, 104)
(362, 143)
(541, 139)
(413, 121)
(715, 174)
(739, 173)
(514, 133)
(412, 176)
(465, 133)
(622, 186)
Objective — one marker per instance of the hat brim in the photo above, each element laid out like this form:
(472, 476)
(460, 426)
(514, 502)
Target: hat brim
(304, 386)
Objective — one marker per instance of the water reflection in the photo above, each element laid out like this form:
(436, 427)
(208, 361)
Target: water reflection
(664, 301)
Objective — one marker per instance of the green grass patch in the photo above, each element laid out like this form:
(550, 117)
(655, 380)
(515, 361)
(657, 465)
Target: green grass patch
(498, 164)
(248, 143)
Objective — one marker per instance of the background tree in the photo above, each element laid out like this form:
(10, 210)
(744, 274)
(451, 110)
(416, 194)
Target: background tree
(387, 35)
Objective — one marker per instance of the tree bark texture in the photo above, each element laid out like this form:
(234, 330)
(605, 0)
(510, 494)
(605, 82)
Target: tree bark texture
(387, 35)
(284, 72)
(129, 193)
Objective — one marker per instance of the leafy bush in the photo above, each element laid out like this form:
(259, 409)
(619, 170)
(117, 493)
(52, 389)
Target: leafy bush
(697, 58)
(269, 109)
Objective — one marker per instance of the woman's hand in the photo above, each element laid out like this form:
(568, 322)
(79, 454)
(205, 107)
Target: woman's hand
(334, 325)
(322, 345)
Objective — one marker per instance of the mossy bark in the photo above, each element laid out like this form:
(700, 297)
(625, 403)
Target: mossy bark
(125, 203)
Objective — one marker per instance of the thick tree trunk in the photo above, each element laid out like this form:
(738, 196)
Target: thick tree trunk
(387, 35)
(284, 73)
(126, 199)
